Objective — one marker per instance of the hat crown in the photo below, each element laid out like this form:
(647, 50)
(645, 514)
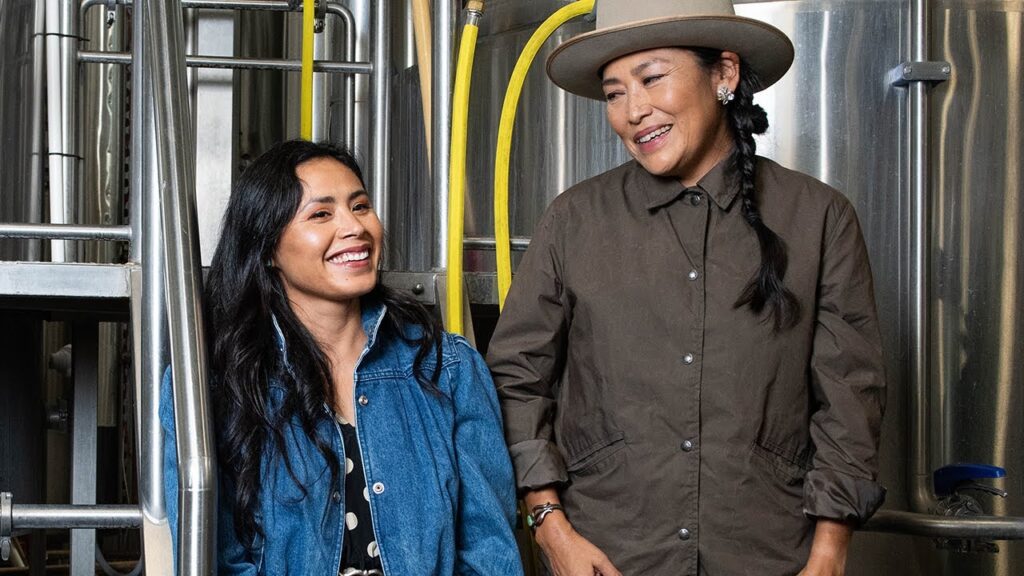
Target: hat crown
(612, 13)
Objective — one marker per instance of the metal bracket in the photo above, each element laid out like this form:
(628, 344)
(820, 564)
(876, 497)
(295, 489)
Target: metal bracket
(909, 72)
(319, 16)
(6, 524)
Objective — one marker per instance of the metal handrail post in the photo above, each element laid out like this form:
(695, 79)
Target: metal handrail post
(333, 7)
(149, 310)
(176, 166)
(34, 249)
(921, 495)
(441, 112)
(380, 146)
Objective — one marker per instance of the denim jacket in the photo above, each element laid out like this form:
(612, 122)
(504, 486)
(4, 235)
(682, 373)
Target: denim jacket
(437, 470)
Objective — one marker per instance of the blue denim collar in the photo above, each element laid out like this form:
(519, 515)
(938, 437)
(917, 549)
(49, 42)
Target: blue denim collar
(372, 316)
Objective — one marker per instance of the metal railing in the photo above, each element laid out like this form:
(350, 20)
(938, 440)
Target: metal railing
(162, 233)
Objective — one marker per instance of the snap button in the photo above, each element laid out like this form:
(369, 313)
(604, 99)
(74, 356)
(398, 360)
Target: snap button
(686, 445)
(363, 400)
(695, 198)
(692, 275)
(684, 534)
(336, 496)
(688, 359)
(378, 487)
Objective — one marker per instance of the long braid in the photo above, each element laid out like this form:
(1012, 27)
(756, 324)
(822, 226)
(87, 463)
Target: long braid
(746, 119)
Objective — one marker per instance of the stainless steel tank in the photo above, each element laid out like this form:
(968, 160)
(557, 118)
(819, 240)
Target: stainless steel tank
(21, 134)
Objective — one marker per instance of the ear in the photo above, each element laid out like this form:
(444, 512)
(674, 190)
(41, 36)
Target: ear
(727, 71)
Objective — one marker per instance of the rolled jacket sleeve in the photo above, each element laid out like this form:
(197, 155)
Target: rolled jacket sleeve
(847, 379)
(527, 354)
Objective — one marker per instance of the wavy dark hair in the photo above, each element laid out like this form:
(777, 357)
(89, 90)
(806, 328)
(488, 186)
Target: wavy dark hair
(746, 119)
(243, 297)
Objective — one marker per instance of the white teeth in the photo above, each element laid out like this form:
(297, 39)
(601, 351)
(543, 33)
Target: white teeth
(351, 256)
(647, 138)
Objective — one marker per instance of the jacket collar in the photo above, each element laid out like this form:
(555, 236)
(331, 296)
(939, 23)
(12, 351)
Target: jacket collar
(372, 316)
(720, 183)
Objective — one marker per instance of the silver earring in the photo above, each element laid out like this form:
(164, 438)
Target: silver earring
(725, 95)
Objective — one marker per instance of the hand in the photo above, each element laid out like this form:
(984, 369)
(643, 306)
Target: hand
(569, 553)
(828, 552)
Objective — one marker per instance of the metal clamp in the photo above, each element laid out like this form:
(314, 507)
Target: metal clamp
(909, 72)
(319, 16)
(6, 524)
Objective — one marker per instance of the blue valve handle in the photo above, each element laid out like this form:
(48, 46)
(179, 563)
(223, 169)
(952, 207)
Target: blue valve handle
(947, 478)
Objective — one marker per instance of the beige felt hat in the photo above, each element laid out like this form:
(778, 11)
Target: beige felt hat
(627, 26)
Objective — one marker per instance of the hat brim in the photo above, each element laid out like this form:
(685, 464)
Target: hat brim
(576, 64)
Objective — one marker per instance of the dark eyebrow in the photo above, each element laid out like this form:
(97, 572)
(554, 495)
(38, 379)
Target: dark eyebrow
(636, 71)
(357, 193)
(319, 200)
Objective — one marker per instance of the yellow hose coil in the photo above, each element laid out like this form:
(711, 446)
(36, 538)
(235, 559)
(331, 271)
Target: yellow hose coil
(306, 93)
(457, 175)
(508, 119)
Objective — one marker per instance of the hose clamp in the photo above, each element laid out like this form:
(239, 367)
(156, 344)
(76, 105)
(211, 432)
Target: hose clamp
(6, 524)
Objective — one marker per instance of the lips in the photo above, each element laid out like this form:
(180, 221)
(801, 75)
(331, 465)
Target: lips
(353, 256)
(652, 133)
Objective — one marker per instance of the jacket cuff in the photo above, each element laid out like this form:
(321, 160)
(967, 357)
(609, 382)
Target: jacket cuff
(838, 496)
(538, 463)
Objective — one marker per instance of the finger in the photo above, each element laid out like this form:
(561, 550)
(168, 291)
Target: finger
(604, 567)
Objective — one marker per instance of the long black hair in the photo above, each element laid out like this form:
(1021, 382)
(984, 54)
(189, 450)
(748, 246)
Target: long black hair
(746, 119)
(244, 295)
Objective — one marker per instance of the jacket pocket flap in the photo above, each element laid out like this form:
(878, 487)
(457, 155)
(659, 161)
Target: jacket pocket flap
(595, 451)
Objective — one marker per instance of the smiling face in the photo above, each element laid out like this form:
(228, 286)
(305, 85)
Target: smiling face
(328, 253)
(662, 105)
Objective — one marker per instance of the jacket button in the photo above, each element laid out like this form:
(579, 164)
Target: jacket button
(684, 534)
(378, 487)
(363, 400)
(686, 445)
(688, 359)
(336, 496)
(695, 198)
(692, 275)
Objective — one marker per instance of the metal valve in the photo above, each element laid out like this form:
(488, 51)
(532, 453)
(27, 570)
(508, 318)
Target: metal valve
(951, 486)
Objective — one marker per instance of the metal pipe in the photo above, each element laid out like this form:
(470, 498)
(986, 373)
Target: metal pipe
(933, 526)
(233, 63)
(59, 516)
(175, 148)
(380, 146)
(519, 243)
(921, 495)
(66, 232)
(350, 82)
(35, 200)
(149, 311)
(441, 113)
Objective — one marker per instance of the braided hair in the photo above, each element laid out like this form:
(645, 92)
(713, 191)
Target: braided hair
(766, 289)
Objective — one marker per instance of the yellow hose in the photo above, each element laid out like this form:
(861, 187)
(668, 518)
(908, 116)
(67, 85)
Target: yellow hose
(508, 119)
(457, 167)
(421, 32)
(306, 95)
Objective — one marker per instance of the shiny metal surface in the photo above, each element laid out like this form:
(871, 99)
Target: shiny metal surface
(236, 63)
(32, 516)
(20, 122)
(380, 139)
(102, 92)
(559, 139)
(64, 280)
(441, 85)
(932, 526)
(197, 491)
(977, 330)
(150, 340)
(66, 231)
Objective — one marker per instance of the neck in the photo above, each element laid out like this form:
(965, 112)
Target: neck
(337, 327)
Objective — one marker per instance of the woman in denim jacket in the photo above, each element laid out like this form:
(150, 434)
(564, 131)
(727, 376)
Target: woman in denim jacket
(354, 436)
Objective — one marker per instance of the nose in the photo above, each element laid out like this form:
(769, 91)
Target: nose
(349, 226)
(638, 105)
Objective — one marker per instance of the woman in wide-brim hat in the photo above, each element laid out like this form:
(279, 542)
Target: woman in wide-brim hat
(689, 361)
